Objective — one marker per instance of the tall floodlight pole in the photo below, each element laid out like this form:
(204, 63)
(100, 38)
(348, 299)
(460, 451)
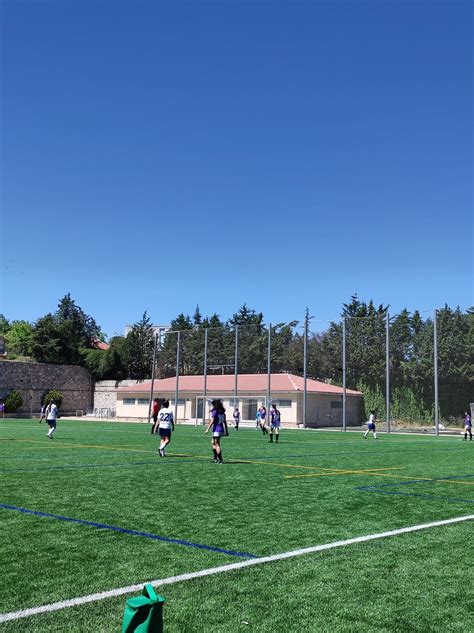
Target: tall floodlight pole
(269, 364)
(178, 341)
(344, 387)
(155, 346)
(387, 371)
(435, 363)
(206, 331)
(305, 366)
(236, 363)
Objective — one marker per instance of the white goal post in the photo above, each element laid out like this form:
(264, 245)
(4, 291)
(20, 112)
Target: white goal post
(247, 405)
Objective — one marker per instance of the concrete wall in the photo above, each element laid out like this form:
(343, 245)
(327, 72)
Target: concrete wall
(105, 392)
(33, 379)
(324, 410)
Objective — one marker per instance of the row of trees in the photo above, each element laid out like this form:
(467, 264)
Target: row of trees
(71, 336)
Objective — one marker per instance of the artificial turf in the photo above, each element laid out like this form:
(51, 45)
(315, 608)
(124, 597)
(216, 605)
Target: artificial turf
(266, 499)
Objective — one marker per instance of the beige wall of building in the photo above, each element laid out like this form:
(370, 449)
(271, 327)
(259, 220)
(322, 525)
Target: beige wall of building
(323, 410)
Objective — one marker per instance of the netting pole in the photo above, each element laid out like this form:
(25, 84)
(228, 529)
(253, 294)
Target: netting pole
(344, 388)
(206, 331)
(305, 367)
(387, 371)
(269, 364)
(236, 361)
(435, 363)
(152, 377)
(178, 341)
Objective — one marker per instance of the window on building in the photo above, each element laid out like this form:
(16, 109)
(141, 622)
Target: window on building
(129, 400)
(281, 404)
(336, 404)
(143, 401)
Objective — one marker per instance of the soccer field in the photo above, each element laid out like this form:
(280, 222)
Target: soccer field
(96, 509)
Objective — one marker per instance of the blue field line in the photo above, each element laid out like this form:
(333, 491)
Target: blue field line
(381, 488)
(114, 528)
(97, 465)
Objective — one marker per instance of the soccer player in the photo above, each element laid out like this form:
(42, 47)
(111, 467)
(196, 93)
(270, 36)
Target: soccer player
(263, 419)
(219, 428)
(371, 425)
(166, 426)
(154, 414)
(51, 417)
(275, 421)
(467, 425)
(236, 416)
(257, 420)
(42, 413)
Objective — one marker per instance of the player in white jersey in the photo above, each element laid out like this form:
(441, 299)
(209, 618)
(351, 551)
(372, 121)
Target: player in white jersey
(51, 417)
(165, 426)
(371, 425)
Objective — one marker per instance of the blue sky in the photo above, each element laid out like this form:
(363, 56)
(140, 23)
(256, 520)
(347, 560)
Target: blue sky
(158, 155)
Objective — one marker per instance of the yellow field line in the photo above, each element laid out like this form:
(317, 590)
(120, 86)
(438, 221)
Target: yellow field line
(335, 471)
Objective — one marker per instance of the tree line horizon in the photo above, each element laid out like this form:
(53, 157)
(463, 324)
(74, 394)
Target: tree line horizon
(70, 336)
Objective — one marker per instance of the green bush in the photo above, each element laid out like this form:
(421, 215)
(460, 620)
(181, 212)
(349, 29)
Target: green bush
(53, 394)
(13, 401)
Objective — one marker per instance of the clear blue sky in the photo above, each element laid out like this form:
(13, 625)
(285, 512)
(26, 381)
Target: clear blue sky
(162, 155)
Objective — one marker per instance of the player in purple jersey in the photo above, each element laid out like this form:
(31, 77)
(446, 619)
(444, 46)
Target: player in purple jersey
(275, 421)
(467, 425)
(263, 419)
(219, 428)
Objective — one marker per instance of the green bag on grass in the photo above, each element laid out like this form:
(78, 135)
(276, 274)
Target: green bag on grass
(144, 614)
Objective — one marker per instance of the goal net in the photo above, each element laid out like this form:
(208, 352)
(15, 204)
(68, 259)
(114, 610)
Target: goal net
(247, 405)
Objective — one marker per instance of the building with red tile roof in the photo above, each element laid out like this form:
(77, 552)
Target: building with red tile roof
(324, 401)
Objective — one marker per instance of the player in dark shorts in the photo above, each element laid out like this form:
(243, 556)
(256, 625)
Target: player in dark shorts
(371, 425)
(154, 414)
(467, 425)
(219, 428)
(165, 426)
(275, 421)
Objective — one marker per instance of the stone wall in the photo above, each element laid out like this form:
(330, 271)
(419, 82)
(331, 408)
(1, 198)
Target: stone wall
(33, 379)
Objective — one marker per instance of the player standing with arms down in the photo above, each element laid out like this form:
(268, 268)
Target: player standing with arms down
(371, 425)
(467, 425)
(166, 426)
(236, 416)
(263, 419)
(219, 428)
(51, 417)
(275, 421)
(154, 415)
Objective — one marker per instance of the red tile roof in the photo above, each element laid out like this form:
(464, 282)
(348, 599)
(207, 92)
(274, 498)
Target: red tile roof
(247, 383)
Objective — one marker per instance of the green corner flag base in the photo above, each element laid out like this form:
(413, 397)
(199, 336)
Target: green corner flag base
(144, 614)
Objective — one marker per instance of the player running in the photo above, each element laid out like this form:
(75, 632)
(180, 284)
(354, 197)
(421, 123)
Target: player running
(275, 421)
(165, 426)
(51, 417)
(219, 428)
(371, 425)
(467, 425)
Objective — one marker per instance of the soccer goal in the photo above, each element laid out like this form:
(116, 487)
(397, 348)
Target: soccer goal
(247, 405)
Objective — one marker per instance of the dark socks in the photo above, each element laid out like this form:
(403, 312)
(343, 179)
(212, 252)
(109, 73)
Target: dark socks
(276, 438)
(271, 437)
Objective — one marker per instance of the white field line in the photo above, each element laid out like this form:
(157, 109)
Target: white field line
(113, 593)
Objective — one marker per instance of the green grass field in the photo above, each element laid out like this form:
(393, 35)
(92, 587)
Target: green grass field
(311, 488)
